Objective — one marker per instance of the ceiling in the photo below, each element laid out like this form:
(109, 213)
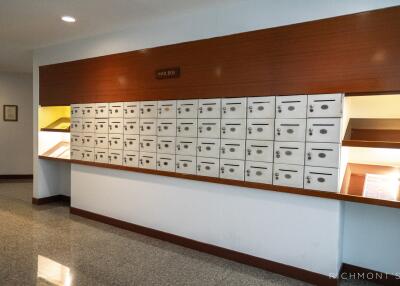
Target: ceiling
(29, 24)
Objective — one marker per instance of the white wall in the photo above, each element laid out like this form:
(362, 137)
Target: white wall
(300, 231)
(16, 137)
(291, 229)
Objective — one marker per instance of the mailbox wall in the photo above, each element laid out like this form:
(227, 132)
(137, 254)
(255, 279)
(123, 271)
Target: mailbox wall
(266, 227)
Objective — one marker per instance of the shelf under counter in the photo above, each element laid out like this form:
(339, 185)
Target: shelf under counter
(342, 196)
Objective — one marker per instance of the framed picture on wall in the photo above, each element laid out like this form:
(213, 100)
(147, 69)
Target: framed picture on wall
(10, 112)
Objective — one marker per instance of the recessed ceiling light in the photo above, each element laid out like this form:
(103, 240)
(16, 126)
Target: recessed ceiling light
(68, 19)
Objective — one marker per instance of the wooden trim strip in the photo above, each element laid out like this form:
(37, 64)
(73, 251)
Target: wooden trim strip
(51, 199)
(286, 270)
(349, 271)
(266, 187)
(16, 177)
(54, 159)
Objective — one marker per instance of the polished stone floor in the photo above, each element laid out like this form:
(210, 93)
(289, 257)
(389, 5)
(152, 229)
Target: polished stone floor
(45, 245)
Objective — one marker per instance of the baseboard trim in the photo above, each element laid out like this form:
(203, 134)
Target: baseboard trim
(15, 177)
(349, 271)
(52, 199)
(286, 270)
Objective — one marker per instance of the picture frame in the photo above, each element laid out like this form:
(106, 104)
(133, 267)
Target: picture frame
(10, 112)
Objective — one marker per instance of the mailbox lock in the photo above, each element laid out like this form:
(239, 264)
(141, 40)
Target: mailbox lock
(158, 164)
(308, 178)
(179, 110)
(279, 109)
(200, 129)
(201, 109)
(276, 176)
(249, 152)
(179, 129)
(223, 150)
(159, 111)
(198, 167)
(310, 132)
(309, 156)
(159, 128)
(249, 129)
(223, 130)
(278, 131)
(159, 146)
(311, 108)
(141, 110)
(224, 109)
(222, 170)
(251, 109)
(199, 148)
(278, 154)
(248, 172)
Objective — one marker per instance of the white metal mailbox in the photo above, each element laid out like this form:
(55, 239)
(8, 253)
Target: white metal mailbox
(186, 146)
(258, 172)
(131, 126)
(115, 157)
(77, 153)
(233, 149)
(290, 130)
(321, 179)
(116, 110)
(288, 175)
(261, 107)
(116, 125)
(289, 152)
(234, 107)
(101, 125)
(131, 109)
(88, 110)
(186, 127)
(131, 142)
(101, 141)
(257, 150)
(166, 127)
(325, 105)
(76, 125)
(322, 154)
(76, 111)
(147, 160)
(148, 144)
(88, 140)
(116, 141)
(148, 126)
(208, 167)
(208, 147)
(101, 155)
(209, 128)
(185, 164)
(166, 145)
(233, 128)
(131, 158)
(166, 162)
(260, 129)
(294, 106)
(101, 110)
(76, 139)
(148, 109)
(323, 130)
(88, 125)
(231, 169)
(187, 108)
(209, 108)
(88, 154)
(167, 109)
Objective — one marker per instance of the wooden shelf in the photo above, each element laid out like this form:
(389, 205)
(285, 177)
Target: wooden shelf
(55, 126)
(372, 133)
(54, 153)
(354, 180)
(343, 196)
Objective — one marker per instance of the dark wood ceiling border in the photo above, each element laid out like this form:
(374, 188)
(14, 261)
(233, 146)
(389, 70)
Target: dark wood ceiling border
(356, 53)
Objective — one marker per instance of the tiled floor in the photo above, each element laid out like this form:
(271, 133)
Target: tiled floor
(45, 245)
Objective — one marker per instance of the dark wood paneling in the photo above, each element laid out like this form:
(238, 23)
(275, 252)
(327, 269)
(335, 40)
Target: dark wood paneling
(52, 199)
(290, 271)
(352, 54)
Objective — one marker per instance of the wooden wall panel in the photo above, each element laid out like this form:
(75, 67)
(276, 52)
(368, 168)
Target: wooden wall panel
(352, 54)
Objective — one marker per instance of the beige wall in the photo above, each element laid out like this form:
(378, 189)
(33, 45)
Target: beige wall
(16, 138)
